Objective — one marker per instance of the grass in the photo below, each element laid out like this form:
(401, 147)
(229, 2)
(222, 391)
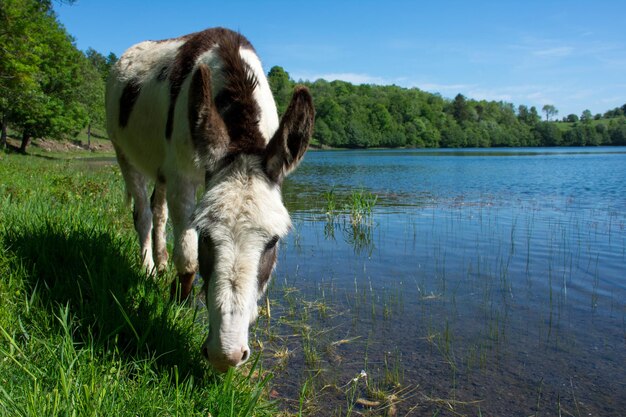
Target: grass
(82, 330)
(352, 215)
(566, 126)
(358, 205)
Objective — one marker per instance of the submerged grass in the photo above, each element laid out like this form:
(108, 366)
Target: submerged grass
(82, 330)
(358, 205)
(352, 215)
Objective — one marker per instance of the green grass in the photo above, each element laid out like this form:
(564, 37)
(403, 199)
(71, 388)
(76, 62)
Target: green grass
(566, 126)
(358, 204)
(83, 332)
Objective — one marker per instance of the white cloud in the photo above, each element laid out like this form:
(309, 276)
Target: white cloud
(443, 88)
(351, 77)
(363, 78)
(489, 95)
(557, 52)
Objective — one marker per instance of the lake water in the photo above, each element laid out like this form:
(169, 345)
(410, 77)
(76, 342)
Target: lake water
(484, 282)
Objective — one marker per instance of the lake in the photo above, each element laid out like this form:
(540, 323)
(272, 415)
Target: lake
(482, 282)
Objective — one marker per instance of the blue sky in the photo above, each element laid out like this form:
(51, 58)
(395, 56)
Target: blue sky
(571, 54)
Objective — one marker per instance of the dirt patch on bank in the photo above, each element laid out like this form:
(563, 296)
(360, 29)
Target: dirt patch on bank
(49, 145)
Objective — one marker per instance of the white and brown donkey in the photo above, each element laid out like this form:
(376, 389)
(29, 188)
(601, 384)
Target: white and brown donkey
(198, 111)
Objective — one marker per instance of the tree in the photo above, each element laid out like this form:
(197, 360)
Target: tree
(452, 135)
(523, 114)
(550, 111)
(534, 116)
(39, 71)
(90, 95)
(547, 134)
(18, 59)
(617, 131)
(586, 117)
(101, 63)
(571, 118)
(281, 86)
(3, 131)
(460, 109)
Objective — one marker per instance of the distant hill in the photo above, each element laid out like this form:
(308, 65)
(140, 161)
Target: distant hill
(363, 116)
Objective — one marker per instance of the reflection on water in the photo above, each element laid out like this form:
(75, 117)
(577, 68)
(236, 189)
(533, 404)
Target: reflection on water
(358, 235)
(483, 282)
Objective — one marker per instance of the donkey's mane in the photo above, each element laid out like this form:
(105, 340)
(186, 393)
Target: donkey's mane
(235, 102)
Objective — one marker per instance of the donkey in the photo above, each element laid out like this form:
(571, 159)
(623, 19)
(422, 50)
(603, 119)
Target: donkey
(198, 111)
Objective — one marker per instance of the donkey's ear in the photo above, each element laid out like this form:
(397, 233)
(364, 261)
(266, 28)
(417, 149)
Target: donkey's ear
(291, 140)
(208, 131)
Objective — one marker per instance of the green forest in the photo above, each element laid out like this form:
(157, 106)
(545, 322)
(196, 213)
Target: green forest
(49, 88)
(362, 116)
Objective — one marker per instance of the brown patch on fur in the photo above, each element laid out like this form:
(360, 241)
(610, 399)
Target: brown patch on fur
(206, 258)
(267, 263)
(181, 287)
(291, 140)
(195, 44)
(207, 127)
(127, 101)
(135, 215)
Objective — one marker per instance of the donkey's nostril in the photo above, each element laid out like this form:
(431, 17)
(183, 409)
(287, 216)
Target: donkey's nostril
(246, 354)
(222, 362)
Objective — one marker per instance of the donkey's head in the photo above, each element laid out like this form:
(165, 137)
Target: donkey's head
(241, 216)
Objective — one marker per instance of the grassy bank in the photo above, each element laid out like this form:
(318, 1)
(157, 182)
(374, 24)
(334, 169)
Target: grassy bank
(82, 330)
(80, 146)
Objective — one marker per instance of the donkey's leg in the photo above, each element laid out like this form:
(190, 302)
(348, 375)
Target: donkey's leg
(159, 221)
(181, 198)
(142, 215)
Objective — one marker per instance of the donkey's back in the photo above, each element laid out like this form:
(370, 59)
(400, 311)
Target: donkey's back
(148, 94)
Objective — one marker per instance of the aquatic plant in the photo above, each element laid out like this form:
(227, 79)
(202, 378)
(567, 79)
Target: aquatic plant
(360, 205)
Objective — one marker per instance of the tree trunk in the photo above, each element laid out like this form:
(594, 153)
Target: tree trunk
(3, 133)
(89, 136)
(25, 141)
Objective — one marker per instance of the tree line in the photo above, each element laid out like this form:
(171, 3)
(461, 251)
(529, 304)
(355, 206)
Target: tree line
(49, 88)
(362, 116)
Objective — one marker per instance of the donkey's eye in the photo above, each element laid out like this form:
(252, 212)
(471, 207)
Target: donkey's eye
(271, 243)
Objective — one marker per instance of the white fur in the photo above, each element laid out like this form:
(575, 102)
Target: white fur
(159, 222)
(263, 95)
(142, 141)
(241, 214)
